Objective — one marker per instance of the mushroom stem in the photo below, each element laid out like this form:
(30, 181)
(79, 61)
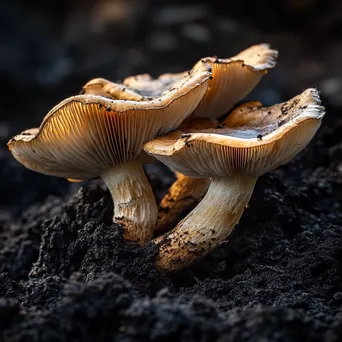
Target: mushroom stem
(135, 206)
(207, 225)
(183, 196)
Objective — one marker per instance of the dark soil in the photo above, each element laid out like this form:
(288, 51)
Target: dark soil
(66, 274)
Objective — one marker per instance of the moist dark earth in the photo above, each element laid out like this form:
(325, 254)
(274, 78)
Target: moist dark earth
(66, 274)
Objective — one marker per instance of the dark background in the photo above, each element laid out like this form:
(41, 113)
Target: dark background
(64, 267)
(48, 51)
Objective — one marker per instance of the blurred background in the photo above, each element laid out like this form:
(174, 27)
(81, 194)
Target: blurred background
(49, 50)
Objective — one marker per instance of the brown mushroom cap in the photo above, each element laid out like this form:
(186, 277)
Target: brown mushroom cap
(253, 141)
(86, 133)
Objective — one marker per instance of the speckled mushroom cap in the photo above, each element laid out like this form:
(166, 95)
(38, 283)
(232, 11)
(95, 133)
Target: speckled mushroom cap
(87, 133)
(232, 79)
(252, 140)
(150, 87)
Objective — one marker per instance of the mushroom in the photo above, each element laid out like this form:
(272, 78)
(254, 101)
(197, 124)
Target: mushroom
(89, 136)
(232, 79)
(253, 141)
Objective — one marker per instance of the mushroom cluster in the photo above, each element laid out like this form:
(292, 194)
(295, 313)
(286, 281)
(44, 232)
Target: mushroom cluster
(112, 129)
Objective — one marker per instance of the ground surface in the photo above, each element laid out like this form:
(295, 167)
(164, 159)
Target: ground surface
(66, 273)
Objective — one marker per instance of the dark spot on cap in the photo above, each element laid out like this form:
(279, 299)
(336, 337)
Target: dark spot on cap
(259, 137)
(281, 122)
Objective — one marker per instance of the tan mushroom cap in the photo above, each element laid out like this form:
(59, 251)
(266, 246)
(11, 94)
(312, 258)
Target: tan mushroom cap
(252, 141)
(233, 78)
(84, 134)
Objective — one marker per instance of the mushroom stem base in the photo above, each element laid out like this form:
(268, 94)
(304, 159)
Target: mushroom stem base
(183, 196)
(207, 225)
(135, 207)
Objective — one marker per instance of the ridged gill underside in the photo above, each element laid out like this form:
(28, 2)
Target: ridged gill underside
(86, 134)
(233, 78)
(252, 142)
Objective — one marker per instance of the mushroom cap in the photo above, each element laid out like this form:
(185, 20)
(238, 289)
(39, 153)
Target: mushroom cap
(233, 78)
(86, 134)
(150, 87)
(251, 141)
(103, 87)
(140, 87)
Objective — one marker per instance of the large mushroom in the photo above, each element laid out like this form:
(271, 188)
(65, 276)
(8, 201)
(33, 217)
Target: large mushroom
(89, 136)
(253, 141)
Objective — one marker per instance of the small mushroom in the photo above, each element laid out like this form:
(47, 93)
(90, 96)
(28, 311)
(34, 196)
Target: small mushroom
(233, 157)
(89, 136)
